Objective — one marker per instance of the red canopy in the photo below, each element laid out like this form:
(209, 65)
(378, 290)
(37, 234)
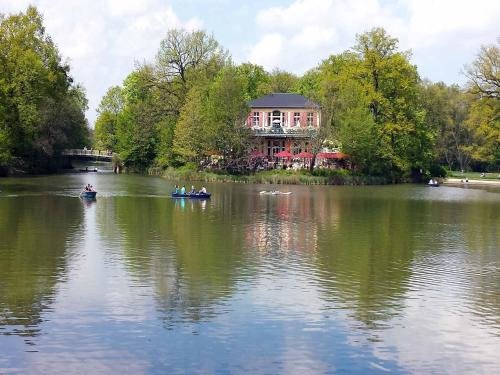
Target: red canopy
(304, 155)
(332, 155)
(283, 154)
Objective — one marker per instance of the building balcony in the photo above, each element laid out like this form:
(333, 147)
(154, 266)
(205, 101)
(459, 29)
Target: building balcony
(280, 132)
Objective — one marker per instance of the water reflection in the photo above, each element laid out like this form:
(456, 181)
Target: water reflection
(33, 257)
(401, 278)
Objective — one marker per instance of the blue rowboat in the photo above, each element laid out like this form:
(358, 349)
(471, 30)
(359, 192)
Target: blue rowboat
(192, 195)
(88, 194)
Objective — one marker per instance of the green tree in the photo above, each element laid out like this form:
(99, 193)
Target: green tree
(484, 116)
(257, 80)
(136, 126)
(110, 107)
(190, 137)
(41, 110)
(446, 109)
(227, 110)
(484, 72)
(184, 60)
(484, 123)
(282, 81)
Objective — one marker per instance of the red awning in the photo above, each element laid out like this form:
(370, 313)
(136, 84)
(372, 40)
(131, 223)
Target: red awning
(304, 155)
(283, 154)
(332, 155)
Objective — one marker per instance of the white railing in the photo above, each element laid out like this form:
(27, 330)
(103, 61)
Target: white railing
(88, 152)
(285, 132)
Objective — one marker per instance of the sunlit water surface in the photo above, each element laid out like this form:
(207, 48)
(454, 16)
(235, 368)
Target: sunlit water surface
(325, 280)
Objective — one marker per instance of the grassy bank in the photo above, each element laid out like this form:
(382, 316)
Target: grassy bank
(302, 177)
(495, 176)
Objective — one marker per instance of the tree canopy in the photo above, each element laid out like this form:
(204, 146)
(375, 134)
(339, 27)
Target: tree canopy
(41, 109)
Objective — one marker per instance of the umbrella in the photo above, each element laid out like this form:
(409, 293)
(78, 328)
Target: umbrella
(283, 154)
(332, 155)
(304, 155)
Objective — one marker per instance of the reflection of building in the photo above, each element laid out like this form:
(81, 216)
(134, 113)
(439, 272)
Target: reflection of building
(283, 122)
(277, 226)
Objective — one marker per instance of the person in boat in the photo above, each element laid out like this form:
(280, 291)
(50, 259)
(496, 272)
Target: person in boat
(176, 190)
(183, 190)
(203, 190)
(193, 190)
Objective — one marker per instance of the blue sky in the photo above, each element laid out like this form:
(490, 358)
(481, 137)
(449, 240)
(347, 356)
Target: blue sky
(104, 39)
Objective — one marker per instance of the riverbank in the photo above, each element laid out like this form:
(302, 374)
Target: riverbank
(465, 181)
(289, 177)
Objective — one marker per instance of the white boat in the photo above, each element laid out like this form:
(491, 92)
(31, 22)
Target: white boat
(274, 192)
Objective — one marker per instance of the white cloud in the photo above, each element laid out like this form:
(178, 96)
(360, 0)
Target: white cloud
(102, 40)
(127, 7)
(443, 35)
(268, 51)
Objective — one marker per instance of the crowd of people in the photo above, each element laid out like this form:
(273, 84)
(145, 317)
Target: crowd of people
(182, 190)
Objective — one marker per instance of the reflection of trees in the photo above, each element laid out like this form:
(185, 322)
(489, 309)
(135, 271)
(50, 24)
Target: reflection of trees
(365, 258)
(481, 234)
(33, 232)
(191, 255)
(368, 259)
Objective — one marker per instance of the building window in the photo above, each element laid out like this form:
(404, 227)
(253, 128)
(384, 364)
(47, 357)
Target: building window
(255, 119)
(269, 118)
(296, 118)
(277, 118)
(310, 117)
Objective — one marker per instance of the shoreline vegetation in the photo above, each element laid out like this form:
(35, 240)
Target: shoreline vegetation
(276, 177)
(191, 103)
(304, 177)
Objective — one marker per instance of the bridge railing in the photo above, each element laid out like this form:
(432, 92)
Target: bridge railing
(88, 152)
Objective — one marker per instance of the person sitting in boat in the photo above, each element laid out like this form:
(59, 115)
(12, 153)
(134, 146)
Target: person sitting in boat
(203, 190)
(183, 190)
(176, 190)
(193, 190)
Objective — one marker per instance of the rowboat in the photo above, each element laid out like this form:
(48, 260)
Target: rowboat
(88, 194)
(275, 192)
(192, 195)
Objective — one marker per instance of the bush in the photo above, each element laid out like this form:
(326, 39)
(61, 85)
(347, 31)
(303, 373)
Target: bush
(437, 170)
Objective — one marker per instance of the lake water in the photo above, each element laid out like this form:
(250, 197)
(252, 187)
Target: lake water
(325, 280)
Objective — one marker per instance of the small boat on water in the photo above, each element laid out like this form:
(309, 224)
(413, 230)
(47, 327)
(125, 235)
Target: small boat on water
(86, 170)
(192, 195)
(433, 183)
(88, 194)
(275, 192)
